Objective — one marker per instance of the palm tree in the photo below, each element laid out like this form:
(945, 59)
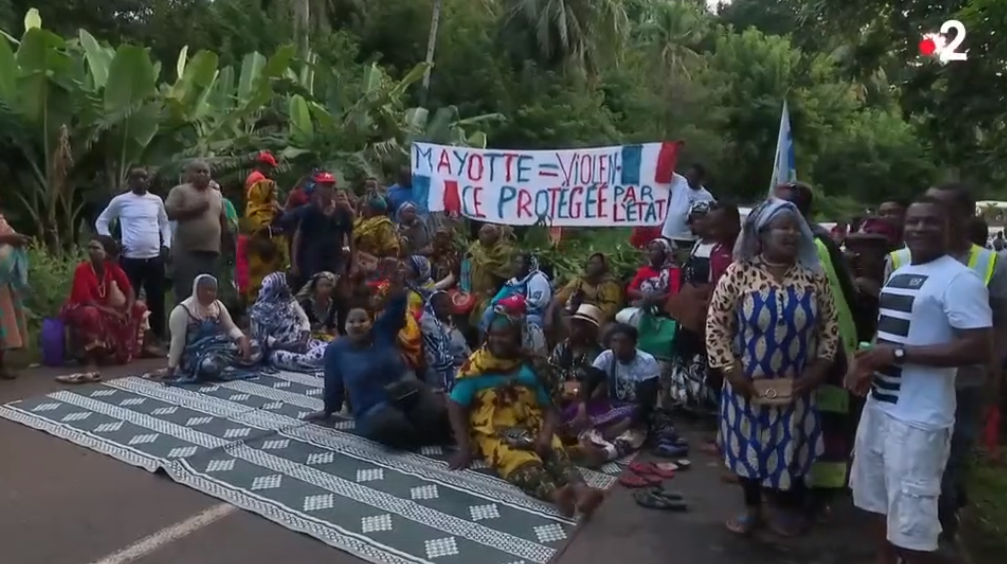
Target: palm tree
(565, 33)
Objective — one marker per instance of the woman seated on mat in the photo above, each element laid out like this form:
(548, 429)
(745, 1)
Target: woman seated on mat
(444, 346)
(413, 231)
(487, 265)
(390, 406)
(282, 328)
(613, 412)
(500, 411)
(528, 281)
(597, 287)
(374, 233)
(105, 321)
(657, 279)
(317, 299)
(419, 283)
(772, 329)
(572, 356)
(206, 345)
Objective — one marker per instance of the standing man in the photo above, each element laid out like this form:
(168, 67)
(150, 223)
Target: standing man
(199, 234)
(894, 213)
(934, 317)
(402, 191)
(977, 387)
(146, 239)
(324, 229)
(685, 191)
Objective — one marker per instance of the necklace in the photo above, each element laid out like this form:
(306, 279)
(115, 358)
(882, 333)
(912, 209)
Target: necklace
(102, 290)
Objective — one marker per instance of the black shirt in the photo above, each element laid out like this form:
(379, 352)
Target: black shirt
(322, 239)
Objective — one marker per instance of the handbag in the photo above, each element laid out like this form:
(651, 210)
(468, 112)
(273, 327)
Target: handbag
(656, 335)
(773, 391)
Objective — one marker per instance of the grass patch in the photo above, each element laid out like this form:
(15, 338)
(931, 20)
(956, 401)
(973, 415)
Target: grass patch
(985, 527)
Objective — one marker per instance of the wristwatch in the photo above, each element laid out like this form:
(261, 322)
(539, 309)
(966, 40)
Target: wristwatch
(900, 355)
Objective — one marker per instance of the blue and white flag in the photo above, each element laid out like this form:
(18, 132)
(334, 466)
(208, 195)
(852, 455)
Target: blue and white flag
(784, 165)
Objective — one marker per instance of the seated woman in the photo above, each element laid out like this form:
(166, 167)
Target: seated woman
(657, 279)
(206, 345)
(488, 264)
(282, 328)
(419, 282)
(617, 398)
(445, 260)
(528, 281)
(572, 356)
(444, 346)
(105, 320)
(374, 233)
(501, 412)
(413, 231)
(389, 405)
(317, 300)
(597, 287)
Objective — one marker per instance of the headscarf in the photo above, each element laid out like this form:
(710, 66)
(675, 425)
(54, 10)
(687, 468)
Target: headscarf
(274, 304)
(421, 266)
(669, 252)
(747, 245)
(661, 283)
(308, 291)
(194, 306)
(378, 204)
(405, 206)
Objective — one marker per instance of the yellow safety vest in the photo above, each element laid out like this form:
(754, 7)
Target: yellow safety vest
(982, 261)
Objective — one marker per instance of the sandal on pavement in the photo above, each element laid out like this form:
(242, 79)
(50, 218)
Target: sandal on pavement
(653, 499)
(743, 524)
(79, 378)
(642, 468)
(638, 481)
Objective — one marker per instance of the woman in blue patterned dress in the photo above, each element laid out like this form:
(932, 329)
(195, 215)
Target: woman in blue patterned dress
(772, 330)
(280, 324)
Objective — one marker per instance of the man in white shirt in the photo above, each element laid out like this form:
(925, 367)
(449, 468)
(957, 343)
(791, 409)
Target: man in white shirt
(146, 236)
(934, 317)
(685, 191)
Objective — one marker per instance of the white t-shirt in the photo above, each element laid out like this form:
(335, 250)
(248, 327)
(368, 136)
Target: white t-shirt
(923, 305)
(643, 367)
(681, 200)
(144, 224)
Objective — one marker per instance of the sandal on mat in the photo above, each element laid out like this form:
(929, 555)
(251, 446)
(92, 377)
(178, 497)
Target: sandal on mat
(655, 498)
(743, 524)
(661, 470)
(638, 481)
(79, 378)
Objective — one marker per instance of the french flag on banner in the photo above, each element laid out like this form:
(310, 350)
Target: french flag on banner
(667, 160)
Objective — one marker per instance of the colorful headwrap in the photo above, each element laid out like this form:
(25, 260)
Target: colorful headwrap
(747, 245)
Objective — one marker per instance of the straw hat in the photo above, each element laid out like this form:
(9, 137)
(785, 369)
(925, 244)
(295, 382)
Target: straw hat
(588, 313)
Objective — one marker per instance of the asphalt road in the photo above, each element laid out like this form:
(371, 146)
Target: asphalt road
(62, 504)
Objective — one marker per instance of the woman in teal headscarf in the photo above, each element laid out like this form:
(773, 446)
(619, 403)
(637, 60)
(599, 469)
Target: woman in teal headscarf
(13, 283)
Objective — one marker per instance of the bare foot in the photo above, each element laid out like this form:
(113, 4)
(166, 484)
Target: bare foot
(565, 499)
(588, 499)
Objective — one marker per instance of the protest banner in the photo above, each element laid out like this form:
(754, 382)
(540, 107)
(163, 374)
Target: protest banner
(620, 186)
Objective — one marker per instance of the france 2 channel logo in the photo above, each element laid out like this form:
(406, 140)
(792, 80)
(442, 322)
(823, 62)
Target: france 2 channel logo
(943, 46)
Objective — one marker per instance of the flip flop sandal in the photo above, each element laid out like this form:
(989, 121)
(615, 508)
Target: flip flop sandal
(651, 499)
(651, 469)
(78, 378)
(743, 524)
(638, 481)
(683, 464)
(668, 494)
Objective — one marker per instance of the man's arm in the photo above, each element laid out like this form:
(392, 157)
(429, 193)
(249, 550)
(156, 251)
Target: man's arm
(164, 225)
(176, 209)
(109, 214)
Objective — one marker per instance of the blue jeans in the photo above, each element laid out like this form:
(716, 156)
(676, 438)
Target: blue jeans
(968, 424)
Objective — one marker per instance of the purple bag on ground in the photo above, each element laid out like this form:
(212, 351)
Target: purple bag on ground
(52, 341)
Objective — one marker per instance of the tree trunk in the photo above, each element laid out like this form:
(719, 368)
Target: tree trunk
(435, 21)
(302, 24)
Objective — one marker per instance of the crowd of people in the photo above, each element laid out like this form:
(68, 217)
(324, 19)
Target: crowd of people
(804, 346)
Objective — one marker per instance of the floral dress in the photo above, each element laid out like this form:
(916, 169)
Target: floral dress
(772, 329)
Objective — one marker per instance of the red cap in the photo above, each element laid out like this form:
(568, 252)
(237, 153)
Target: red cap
(265, 157)
(324, 177)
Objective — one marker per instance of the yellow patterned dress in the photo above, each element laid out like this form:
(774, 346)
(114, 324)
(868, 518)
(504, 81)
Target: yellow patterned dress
(267, 251)
(506, 405)
(771, 329)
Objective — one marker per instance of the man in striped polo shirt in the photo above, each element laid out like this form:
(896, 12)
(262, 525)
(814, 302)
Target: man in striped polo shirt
(977, 387)
(934, 317)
